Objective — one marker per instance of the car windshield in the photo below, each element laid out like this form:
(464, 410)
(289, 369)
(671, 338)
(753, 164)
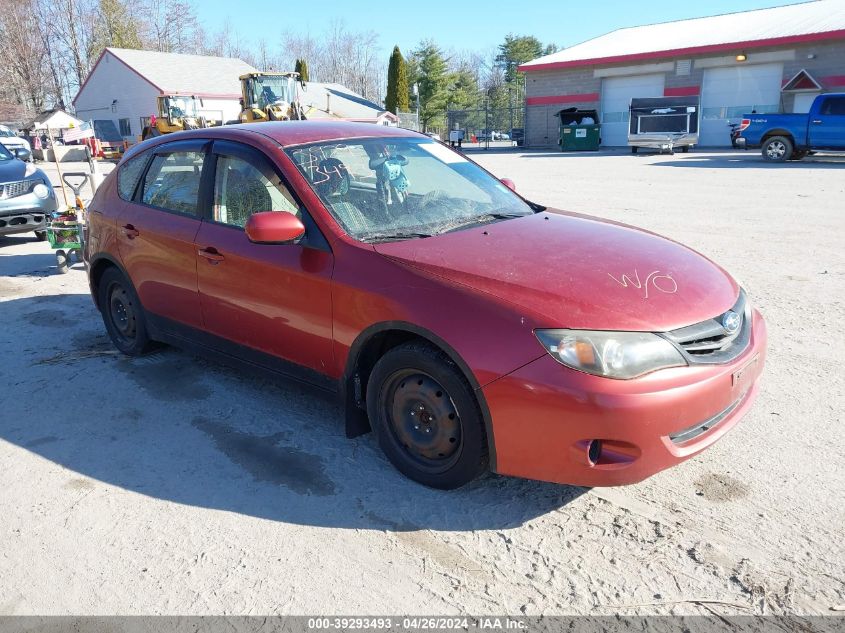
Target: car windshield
(7, 133)
(5, 154)
(403, 188)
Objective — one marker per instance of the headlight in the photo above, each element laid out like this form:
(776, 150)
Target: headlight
(41, 190)
(620, 355)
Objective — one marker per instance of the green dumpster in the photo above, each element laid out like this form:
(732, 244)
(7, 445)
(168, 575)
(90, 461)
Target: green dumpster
(579, 130)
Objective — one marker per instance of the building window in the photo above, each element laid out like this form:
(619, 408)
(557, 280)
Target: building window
(125, 128)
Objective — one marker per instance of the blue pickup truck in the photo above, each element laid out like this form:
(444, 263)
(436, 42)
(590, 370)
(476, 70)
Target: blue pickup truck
(785, 137)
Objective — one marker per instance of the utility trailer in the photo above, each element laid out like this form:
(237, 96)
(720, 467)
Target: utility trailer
(663, 123)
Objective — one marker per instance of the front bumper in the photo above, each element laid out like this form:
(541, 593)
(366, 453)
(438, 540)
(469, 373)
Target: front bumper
(545, 416)
(25, 213)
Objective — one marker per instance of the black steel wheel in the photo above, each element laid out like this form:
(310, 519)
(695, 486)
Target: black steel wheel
(122, 314)
(426, 417)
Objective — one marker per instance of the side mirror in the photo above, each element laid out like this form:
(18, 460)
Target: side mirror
(22, 153)
(273, 227)
(507, 182)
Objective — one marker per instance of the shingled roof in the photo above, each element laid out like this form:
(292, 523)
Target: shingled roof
(176, 73)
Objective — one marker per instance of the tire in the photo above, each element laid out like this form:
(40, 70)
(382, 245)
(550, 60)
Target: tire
(777, 149)
(62, 261)
(123, 314)
(685, 149)
(426, 417)
(40, 235)
(634, 149)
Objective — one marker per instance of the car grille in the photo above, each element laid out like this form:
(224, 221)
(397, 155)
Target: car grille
(711, 342)
(14, 189)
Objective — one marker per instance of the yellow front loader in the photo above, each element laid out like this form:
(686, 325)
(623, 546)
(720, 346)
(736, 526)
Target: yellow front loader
(176, 113)
(270, 97)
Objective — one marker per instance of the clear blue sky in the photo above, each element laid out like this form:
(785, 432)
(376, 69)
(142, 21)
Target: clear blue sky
(458, 24)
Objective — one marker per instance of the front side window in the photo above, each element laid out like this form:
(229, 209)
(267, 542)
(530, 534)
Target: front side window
(242, 188)
(173, 181)
(128, 175)
(397, 188)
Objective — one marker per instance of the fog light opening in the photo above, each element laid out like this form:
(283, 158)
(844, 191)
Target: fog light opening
(594, 451)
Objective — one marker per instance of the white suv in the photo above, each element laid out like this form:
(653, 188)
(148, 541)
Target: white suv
(12, 140)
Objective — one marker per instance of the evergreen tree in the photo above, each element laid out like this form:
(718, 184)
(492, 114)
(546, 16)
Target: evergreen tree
(398, 93)
(433, 81)
(114, 27)
(303, 71)
(516, 50)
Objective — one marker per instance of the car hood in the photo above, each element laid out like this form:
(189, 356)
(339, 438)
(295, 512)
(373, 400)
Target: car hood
(575, 271)
(12, 170)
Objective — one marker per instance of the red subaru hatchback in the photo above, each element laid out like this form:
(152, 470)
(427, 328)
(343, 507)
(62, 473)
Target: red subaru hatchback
(469, 328)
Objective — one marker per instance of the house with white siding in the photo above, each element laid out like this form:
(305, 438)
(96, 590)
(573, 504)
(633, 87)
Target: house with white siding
(122, 87)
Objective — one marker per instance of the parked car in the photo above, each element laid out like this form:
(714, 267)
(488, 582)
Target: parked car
(26, 196)
(783, 137)
(11, 140)
(518, 136)
(469, 328)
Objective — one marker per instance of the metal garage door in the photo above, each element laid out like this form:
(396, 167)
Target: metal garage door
(728, 93)
(616, 95)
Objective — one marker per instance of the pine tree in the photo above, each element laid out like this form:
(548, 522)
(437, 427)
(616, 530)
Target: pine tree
(303, 70)
(433, 83)
(397, 98)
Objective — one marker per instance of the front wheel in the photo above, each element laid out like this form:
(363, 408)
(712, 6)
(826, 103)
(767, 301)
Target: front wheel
(426, 417)
(777, 149)
(122, 314)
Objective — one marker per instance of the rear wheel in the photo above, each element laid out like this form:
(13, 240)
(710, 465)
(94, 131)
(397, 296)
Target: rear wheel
(777, 149)
(426, 417)
(634, 149)
(122, 314)
(40, 235)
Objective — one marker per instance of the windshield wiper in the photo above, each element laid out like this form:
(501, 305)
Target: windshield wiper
(395, 236)
(478, 219)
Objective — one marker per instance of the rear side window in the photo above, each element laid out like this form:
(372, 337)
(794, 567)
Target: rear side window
(834, 105)
(173, 182)
(128, 175)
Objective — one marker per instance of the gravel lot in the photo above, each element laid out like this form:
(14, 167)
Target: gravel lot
(173, 485)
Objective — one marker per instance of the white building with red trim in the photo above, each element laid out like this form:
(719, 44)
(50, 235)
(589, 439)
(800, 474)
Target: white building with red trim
(124, 83)
(768, 60)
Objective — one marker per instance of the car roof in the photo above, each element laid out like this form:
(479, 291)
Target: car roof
(285, 133)
(300, 132)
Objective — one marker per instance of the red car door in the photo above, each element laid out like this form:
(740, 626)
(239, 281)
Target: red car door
(156, 232)
(274, 298)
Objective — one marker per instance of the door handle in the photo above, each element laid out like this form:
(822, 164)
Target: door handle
(817, 121)
(130, 231)
(211, 255)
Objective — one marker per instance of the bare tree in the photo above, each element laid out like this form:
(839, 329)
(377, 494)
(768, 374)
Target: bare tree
(23, 58)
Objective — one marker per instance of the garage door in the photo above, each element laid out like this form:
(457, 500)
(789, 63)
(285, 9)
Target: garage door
(616, 95)
(728, 93)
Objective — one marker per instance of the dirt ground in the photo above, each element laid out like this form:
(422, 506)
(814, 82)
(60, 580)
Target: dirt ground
(173, 485)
